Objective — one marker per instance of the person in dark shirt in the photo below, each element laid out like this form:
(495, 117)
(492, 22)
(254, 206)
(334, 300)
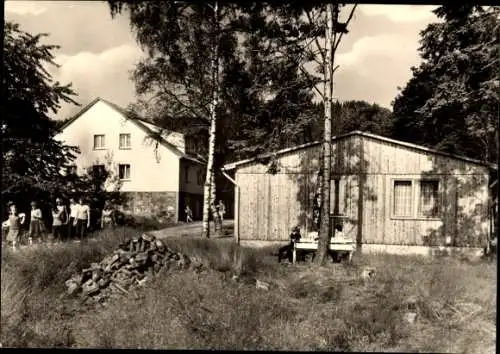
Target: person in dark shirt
(287, 250)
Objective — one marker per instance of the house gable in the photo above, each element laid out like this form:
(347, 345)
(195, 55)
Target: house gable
(153, 166)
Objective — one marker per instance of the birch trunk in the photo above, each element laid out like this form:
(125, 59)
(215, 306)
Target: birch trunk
(209, 188)
(324, 231)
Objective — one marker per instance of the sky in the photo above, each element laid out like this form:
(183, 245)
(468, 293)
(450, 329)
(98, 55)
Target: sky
(98, 53)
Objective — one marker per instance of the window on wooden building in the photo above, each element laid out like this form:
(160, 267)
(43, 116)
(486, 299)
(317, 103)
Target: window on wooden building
(428, 203)
(338, 197)
(403, 201)
(124, 171)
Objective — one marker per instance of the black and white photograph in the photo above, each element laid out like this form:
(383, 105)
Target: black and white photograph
(230, 175)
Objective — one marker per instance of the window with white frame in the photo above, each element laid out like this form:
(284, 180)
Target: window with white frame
(428, 202)
(124, 171)
(403, 198)
(99, 142)
(125, 141)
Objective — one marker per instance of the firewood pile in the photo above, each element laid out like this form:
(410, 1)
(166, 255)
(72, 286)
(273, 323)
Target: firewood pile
(134, 263)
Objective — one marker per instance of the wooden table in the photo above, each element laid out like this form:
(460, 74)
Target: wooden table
(342, 245)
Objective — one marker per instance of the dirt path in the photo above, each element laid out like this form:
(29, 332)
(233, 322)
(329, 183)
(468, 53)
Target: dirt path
(192, 230)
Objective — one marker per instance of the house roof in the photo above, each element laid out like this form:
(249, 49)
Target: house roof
(149, 128)
(233, 165)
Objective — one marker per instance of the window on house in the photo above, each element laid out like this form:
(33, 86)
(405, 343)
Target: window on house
(124, 171)
(186, 174)
(71, 170)
(403, 201)
(124, 141)
(199, 177)
(98, 170)
(428, 203)
(99, 142)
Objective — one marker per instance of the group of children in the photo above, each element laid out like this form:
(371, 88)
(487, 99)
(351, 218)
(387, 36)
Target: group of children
(65, 225)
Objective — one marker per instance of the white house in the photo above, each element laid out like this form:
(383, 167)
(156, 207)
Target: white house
(157, 172)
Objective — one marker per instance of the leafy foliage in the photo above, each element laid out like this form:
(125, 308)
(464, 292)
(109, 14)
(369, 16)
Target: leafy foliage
(263, 92)
(32, 158)
(453, 95)
(34, 162)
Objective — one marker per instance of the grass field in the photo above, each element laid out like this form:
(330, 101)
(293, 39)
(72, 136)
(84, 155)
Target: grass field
(330, 308)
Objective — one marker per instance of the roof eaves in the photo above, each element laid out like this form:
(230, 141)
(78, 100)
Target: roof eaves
(423, 148)
(79, 113)
(233, 165)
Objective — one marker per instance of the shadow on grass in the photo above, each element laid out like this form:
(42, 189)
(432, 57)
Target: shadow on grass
(330, 308)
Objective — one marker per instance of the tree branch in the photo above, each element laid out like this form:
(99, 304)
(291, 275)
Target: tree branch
(335, 46)
(314, 87)
(315, 37)
(190, 109)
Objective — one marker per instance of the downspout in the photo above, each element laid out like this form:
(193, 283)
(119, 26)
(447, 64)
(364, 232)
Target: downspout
(236, 207)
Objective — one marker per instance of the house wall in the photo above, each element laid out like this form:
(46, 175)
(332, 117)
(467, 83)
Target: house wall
(154, 173)
(462, 192)
(191, 188)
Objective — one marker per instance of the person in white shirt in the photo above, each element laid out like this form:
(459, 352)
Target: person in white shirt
(59, 217)
(13, 223)
(72, 218)
(82, 218)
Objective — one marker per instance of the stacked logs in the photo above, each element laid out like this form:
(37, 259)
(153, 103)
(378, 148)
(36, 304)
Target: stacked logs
(134, 263)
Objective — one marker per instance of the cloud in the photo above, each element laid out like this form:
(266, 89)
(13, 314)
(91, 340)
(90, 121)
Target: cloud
(400, 13)
(25, 7)
(374, 68)
(68, 25)
(104, 74)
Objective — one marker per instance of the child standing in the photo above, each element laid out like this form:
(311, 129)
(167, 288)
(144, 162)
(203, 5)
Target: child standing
(107, 216)
(59, 217)
(222, 210)
(72, 218)
(14, 223)
(189, 214)
(82, 218)
(37, 228)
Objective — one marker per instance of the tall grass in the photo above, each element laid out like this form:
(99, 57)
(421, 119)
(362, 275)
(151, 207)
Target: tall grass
(330, 308)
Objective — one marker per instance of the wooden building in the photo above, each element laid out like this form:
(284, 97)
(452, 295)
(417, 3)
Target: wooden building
(386, 193)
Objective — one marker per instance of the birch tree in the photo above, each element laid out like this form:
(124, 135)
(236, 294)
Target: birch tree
(324, 57)
(209, 190)
(211, 66)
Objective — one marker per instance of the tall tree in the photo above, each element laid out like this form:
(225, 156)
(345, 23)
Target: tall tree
(453, 95)
(258, 87)
(33, 161)
(324, 56)
(176, 75)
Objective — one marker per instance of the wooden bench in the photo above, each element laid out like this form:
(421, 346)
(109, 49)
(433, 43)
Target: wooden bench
(340, 245)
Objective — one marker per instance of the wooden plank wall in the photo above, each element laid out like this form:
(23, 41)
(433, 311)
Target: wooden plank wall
(385, 162)
(270, 205)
